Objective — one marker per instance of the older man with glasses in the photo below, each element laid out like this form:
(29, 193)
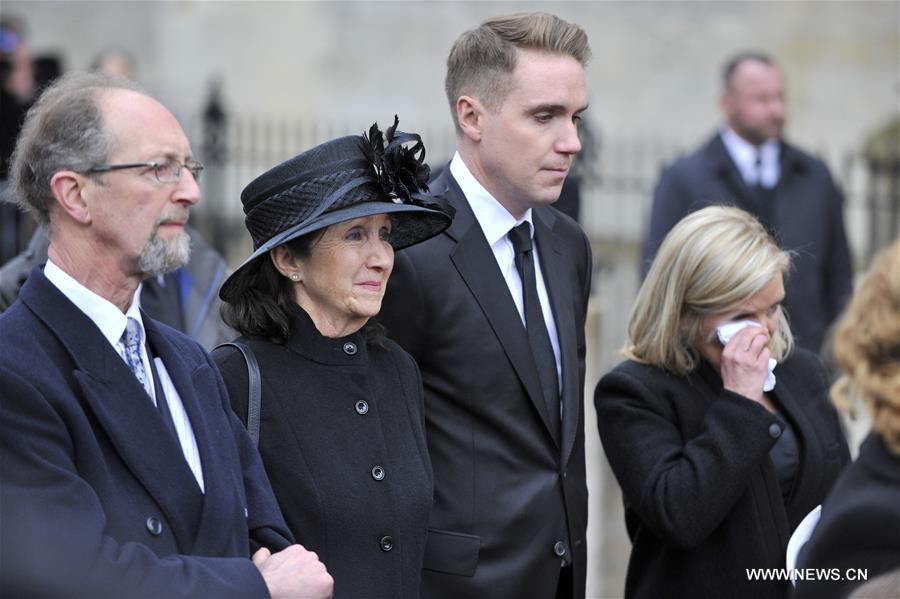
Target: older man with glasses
(124, 471)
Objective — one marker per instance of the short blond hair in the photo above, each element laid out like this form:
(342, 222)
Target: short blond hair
(482, 60)
(710, 262)
(867, 346)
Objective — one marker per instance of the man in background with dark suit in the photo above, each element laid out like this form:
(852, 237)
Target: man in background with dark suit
(124, 471)
(747, 164)
(493, 311)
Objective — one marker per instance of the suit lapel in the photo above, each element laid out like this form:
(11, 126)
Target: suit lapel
(122, 408)
(559, 290)
(477, 266)
(214, 502)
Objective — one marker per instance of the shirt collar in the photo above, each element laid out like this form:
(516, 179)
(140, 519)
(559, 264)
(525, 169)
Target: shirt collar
(744, 153)
(495, 220)
(103, 313)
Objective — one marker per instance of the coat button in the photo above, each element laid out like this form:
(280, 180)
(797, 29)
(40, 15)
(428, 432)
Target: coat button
(362, 407)
(386, 543)
(378, 473)
(350, 348)
(154, 526)
(559, 548)
(774, 430)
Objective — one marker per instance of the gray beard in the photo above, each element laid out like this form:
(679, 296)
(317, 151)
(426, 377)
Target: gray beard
(159, 257)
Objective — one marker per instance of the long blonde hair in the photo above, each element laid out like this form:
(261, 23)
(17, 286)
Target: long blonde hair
(709, 263)
(867, 347)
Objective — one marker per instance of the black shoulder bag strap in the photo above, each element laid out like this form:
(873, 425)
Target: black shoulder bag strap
(254, 389)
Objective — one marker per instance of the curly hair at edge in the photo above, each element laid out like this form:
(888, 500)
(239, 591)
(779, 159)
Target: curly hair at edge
(867, 347)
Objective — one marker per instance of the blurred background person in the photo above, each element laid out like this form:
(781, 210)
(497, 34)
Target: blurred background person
(342, 432)
(860, 523)
(718, 461)
(115, 61)
(748, 164)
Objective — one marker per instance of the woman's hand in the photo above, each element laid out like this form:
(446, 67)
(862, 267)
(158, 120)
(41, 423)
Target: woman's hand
(745, 361)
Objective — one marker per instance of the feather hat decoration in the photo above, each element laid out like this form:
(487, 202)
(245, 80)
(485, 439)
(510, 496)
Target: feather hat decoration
(339, 180)
(401, 170)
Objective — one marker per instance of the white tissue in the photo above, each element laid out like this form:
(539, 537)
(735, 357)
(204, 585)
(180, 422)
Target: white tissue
(728, 330)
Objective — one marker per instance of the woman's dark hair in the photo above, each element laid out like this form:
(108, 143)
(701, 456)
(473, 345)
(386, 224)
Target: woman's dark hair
(261, 299)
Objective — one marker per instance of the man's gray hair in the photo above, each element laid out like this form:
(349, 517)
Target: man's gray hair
(64, 130)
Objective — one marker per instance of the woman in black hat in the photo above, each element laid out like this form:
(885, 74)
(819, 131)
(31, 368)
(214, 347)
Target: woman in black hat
(342, 431)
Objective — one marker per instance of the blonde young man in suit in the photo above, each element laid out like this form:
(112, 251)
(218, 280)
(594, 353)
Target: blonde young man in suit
(124, 471)
(497, 325)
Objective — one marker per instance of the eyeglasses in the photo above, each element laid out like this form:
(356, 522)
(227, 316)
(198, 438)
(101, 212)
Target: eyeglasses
(166, 172)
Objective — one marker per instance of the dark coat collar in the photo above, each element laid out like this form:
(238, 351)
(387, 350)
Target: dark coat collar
(305, 339)
(874, 455)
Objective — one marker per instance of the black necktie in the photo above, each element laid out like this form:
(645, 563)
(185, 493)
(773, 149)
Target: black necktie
(538, 337)
(764, 197)
(758, 170)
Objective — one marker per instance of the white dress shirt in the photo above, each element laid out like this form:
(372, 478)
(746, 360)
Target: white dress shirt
(111, 322)
(496, 223)
(744, 154)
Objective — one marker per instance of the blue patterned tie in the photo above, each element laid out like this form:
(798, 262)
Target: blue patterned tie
(132, 339)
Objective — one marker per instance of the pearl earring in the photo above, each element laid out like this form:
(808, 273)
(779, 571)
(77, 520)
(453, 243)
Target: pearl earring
(295, 276)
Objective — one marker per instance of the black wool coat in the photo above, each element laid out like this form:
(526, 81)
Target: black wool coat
(860, 525)
(702, 499)
(342, 438)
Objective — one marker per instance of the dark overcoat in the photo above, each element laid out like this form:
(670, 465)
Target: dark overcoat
(342, 437)
(510, 496)
(702, 499)
(860, 525)
(805, 210)
(96, 496)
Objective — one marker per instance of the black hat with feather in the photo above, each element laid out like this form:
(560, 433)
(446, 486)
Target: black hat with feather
(340, 180)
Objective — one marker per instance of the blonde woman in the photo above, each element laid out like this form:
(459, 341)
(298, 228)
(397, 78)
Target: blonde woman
(719, 451)
(860, 525)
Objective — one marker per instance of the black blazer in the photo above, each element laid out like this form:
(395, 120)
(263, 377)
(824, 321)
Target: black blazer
(510, 497)
(702, 499)
(805, 209)
(342, 437)
(860, 525)
(96, 496)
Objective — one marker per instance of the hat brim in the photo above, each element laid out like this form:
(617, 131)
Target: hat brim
(412, 224)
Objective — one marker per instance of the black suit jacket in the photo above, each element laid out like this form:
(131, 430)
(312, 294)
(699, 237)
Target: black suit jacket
(860, 525)
(702, 499)
(510, 496)
(805, 210)
(96, 498)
